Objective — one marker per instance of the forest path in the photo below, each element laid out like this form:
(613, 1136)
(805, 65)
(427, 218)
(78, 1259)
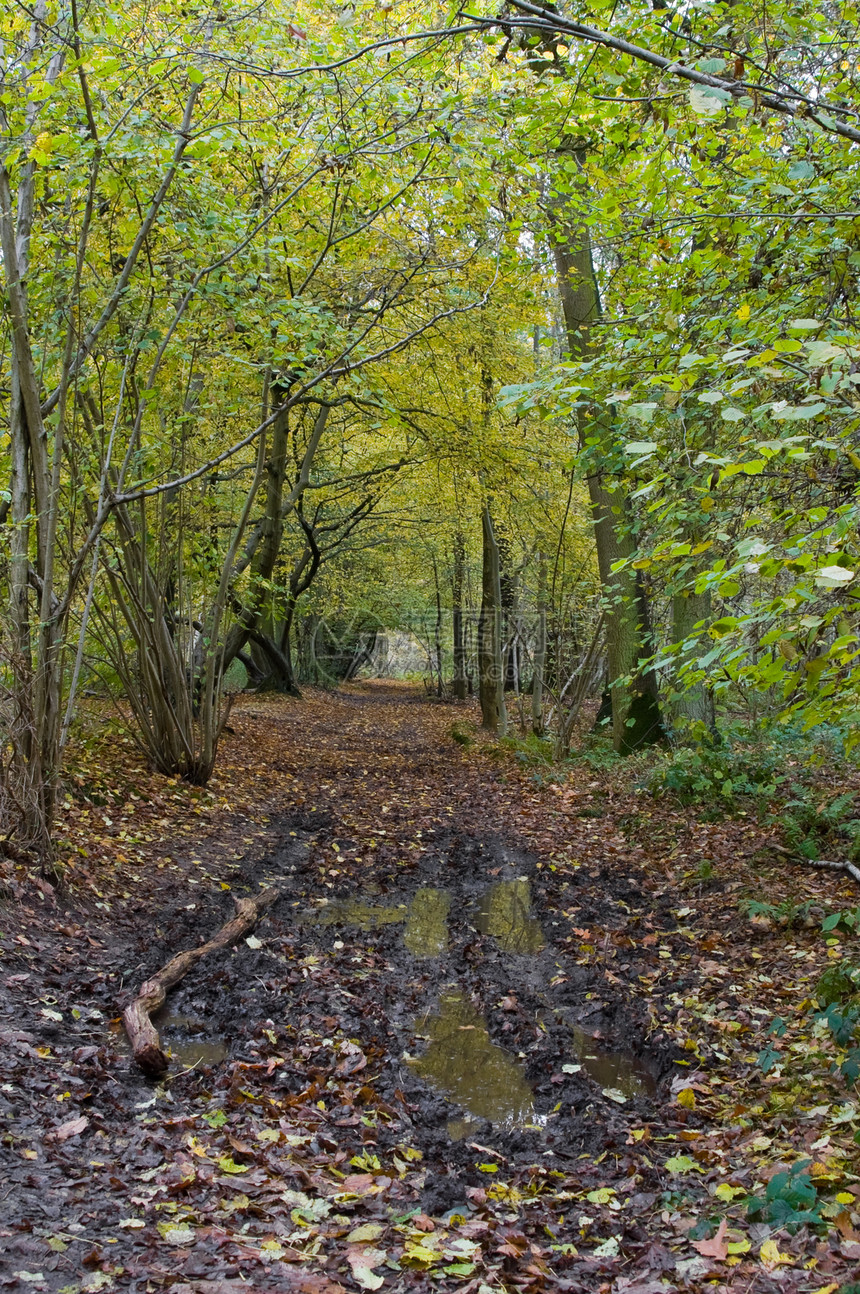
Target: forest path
(455, 1054)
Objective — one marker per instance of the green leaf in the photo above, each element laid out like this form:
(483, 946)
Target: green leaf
(228, 1165)
(681, 1164)
(642, 412)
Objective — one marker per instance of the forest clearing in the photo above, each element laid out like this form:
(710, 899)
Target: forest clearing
(430, 646)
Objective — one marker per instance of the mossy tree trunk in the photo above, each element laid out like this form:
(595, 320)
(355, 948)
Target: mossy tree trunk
(636, 720)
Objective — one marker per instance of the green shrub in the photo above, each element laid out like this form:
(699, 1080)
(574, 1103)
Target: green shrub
(811, 829)
(717, 774)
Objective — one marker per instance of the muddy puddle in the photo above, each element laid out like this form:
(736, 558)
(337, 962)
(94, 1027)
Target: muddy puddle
(505, 912)
(462, 1062)
(459, 1059)
(616, 1071)
(426, 933)
(358, 914)
(425, 919)
(182, 1038)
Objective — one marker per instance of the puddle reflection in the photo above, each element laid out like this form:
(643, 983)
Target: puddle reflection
(186, 1051)
(505, 913)
(426, 933)
(353, 912)
(616, 1070)
(464, 1064)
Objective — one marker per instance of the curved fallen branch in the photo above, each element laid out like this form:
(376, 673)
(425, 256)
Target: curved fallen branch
(834, 865)
(142, 1033)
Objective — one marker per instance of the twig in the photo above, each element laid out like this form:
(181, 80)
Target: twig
(833, 865)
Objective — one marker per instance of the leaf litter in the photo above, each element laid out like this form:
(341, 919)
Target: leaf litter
(533, 942)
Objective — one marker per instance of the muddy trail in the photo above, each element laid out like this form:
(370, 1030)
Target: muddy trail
(449, 1056)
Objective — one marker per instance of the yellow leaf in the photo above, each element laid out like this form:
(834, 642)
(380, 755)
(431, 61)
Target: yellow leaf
(228, 1165)
(361, 1235)
(770, 1255)
(687, 1098)
(844, 1197)
(415, 1255)
(743, 313)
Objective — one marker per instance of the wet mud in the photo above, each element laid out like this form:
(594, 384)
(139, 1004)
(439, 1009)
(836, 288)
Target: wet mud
(440, 991)
(449, 973)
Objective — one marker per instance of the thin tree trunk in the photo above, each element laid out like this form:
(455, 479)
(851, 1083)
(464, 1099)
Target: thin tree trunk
(437, 633)
(491, 679)
(539, 660)
(459, 684)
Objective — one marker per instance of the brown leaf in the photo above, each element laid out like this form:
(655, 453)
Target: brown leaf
(70, 1129)
(716, 1246)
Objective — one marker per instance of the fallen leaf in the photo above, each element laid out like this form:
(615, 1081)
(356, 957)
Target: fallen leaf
(715, 1247)
(70, 1129)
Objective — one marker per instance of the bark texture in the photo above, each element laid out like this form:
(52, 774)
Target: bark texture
(142, 1033)
(491, 679)
(636, 718)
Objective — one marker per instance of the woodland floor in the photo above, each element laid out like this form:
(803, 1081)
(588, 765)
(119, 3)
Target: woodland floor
(499, 1033)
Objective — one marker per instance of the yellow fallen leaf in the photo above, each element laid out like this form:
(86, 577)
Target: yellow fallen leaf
(687, 1098)
(228, 1165)
(361, 1235)
(418, 1255)
(771, 1256)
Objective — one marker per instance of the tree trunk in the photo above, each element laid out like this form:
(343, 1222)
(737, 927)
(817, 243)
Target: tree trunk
(459, 684)
(437, 634)
(636, 718)
(491, 680)
(263, 545)
(540, 650)
(693, 705)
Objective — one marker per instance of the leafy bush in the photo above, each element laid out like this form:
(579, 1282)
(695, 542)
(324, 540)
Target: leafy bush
(718, 774)
(839, 983)
(810, 829)
(790, 1200)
